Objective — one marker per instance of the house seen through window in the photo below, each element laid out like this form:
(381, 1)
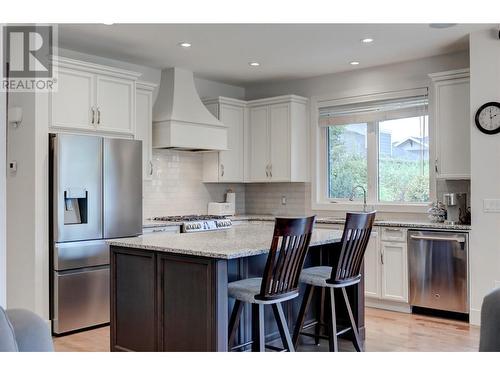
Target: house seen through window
(400, 145)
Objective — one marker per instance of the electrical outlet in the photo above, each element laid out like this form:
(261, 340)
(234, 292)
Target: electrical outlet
(491, 205)
(13, 166)
(283, 200)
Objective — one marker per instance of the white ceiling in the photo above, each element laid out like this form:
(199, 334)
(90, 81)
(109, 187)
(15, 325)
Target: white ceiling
(285, 51)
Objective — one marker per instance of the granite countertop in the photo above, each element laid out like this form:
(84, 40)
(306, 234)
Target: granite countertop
(329, 220)
(243, 240)
(380, 223)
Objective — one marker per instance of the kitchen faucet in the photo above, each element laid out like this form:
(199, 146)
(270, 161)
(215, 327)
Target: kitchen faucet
(364, 195)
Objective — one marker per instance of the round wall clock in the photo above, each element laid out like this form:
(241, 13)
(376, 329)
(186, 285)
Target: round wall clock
(488, 118)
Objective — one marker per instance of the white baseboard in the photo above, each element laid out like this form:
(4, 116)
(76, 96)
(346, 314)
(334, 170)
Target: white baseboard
(475, 317)
(388, 305)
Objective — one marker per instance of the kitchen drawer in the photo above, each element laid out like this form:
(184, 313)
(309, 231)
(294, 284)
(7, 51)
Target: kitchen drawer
(165, 229)
(71, 255)
(393, 234)
(81, 298)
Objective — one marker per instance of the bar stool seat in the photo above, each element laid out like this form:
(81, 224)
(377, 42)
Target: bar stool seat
(321, 276)
(316, 276)
(247, 289)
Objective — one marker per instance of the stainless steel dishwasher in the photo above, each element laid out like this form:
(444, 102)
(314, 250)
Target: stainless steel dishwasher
(438, 263)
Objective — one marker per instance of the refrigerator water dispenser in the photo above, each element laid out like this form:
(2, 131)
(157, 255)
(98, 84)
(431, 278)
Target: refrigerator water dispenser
(75, 206)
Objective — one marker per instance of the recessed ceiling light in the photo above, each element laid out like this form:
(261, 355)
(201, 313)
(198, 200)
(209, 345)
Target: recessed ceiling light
(185, 44)
(254, 63)
(367, 40)
(354, 63)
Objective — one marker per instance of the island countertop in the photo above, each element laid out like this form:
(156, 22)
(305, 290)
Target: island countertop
(248, 239)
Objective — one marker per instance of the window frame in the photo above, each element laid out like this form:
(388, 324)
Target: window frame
(319, 156)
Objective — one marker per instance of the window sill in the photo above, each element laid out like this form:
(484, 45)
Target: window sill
(380, 207)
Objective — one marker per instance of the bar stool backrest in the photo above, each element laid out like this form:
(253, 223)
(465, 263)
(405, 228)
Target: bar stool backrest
(286, 257)
(357, 230)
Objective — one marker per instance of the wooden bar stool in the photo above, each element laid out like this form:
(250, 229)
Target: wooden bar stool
(344, 273)
(279, 283)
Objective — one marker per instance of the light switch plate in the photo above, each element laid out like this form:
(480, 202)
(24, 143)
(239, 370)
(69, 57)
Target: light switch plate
(491, 205)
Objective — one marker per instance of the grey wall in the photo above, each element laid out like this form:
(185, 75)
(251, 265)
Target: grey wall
(484, 253)
(3, 209)
(205, 87)
(210, 89)
(363, 81)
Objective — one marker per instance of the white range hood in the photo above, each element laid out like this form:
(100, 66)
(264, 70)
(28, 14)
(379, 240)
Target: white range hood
(181, 120)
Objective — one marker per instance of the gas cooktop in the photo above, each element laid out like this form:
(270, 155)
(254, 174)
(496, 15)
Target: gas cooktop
(198, 223)
(186, 218)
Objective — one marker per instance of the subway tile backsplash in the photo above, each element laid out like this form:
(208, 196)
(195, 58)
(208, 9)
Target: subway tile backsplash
(177, 188)
(267, 198)
(452, 186)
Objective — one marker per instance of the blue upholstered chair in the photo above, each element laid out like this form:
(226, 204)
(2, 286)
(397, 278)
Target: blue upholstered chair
(23, 331)
(490, 323)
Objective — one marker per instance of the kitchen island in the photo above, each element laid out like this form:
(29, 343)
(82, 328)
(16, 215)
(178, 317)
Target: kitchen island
(169, 290)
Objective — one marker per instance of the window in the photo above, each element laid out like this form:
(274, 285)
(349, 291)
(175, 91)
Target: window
(380, 145)
(347, 159)
(403, 160)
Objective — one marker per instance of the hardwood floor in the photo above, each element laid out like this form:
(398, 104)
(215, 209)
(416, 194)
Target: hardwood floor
(386, 331)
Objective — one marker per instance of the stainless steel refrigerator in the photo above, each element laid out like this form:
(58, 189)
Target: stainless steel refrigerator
(95, 194)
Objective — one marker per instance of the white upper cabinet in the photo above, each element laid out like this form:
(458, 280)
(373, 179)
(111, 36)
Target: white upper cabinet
(144, 124)
(93, 98)
(115, 104)
(73, 101)
(259, 144)
(277, 141)
(279, 125)
(227, 166)
(450, 119)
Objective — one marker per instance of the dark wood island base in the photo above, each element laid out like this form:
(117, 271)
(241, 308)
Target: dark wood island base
(172, 302)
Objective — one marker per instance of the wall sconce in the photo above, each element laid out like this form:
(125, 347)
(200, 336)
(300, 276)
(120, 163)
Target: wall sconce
(15, 116)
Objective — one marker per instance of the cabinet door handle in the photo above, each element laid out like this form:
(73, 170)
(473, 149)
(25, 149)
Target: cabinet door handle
(271, 170)
(436, 166)
(150, 168)
(382, 256)
(222, 170)
(267, 170)
(98, 116)
(93, 115)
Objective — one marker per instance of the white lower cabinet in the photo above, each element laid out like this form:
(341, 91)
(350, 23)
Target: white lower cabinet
(372, 269)
(385, 267)
(394, 271)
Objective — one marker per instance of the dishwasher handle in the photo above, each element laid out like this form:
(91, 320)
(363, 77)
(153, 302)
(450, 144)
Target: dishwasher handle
(438, 238)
